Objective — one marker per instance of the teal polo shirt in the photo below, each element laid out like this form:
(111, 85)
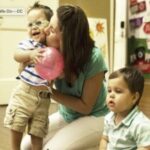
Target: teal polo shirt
(94, 66)
(131, 133)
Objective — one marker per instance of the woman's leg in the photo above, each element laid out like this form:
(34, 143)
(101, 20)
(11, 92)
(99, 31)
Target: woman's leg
(26, 142)
(56, 122)
(80, 134)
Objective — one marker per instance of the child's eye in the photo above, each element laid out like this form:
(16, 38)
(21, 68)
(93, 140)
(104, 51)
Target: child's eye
(29, 24)
(118, 91)
(108, 90)
(38, 23)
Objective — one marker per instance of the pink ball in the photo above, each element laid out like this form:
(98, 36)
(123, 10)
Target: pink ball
(51, 64)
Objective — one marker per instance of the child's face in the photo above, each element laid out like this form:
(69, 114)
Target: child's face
(119, 98)
(37, 22)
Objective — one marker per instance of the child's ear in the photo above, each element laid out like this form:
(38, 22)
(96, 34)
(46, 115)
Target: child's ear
(136, 97)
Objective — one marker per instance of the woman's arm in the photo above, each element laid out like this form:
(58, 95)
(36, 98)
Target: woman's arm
(103, 143)
(85, 103)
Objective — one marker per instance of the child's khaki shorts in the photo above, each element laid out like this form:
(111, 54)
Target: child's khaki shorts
(28, 107)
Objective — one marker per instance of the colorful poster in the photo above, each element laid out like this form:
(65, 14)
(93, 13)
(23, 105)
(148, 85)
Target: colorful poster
(98, 31)
(139, 36)
(139, 55)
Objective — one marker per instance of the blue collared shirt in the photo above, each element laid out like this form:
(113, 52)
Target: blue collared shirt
(132, 132)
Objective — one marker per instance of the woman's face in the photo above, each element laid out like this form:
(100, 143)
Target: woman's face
(53, 33)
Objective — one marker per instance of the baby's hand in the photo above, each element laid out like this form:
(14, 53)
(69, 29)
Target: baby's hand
(36, 55)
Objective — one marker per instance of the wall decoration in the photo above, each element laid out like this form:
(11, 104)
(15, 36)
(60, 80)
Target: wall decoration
(138, 7)
(139, 54)
(139, 36)
(98, 31)
(133, 2)
(136, 22)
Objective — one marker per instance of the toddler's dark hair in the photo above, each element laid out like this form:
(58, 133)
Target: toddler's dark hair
(133, 78)
(47, 10)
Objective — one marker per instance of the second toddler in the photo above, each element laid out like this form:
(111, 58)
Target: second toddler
(126, 127)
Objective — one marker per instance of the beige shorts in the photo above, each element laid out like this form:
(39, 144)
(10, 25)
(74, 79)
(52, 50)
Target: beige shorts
(28, 107)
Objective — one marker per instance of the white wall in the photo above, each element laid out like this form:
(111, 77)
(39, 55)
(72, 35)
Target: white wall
(8, 67)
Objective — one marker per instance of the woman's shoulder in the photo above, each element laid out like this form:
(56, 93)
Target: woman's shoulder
(96, 60)
(96, 54)
(96, 51)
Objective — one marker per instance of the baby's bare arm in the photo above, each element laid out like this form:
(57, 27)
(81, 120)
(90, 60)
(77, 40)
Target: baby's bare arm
(28, 56)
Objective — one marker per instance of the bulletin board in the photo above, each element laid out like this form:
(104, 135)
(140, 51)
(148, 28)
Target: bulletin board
(139, 35)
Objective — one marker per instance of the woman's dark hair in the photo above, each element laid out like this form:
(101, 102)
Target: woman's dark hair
(47, 10)
(76, 41)
(133, 78)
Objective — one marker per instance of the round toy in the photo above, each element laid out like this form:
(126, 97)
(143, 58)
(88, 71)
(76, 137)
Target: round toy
(51, 64)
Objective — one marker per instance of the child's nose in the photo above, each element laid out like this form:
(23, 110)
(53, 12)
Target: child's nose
(111, 95)
(34, 27)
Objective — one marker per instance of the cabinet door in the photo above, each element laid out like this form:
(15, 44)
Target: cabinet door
(120, 39)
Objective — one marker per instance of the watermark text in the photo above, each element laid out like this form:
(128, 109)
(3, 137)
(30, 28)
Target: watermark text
(12, 11)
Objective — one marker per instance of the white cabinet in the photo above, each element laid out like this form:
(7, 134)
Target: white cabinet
(120, 39)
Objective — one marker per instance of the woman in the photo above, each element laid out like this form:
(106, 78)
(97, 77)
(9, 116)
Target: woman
(80, 91)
